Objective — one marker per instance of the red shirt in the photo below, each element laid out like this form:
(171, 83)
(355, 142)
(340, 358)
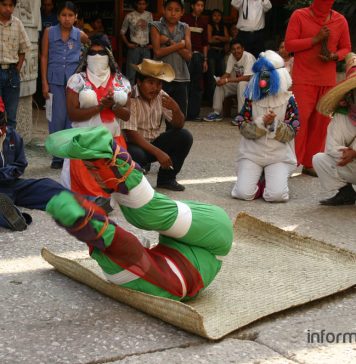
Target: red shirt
(199, 40)
(308, 68)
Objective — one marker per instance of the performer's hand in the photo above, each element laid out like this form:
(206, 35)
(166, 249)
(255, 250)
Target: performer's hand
(268, 119)
(164, 160)
(324, 33)
(107, 102)
(348, 155)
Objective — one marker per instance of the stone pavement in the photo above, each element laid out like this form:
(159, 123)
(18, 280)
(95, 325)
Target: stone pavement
(48, 318)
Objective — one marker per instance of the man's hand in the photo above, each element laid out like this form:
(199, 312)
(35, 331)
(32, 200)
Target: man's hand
(324, 33)
(169, 103)
(268, 119)
(45, 90)
(347, 156)
(132, 45)
(332, 57)
(222, 81)
(164, 160)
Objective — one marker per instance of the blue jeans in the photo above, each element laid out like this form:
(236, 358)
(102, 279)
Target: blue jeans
(10, 93)
(135, 56)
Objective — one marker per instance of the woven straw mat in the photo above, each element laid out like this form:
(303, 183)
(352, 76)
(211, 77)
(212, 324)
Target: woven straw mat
(267, 270)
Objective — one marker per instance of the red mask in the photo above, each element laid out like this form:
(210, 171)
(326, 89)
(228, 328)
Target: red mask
(321, 8)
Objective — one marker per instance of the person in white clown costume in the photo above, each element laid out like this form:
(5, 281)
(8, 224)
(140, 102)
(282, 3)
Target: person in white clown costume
(191, 234)
(336, 167)
(268, 124)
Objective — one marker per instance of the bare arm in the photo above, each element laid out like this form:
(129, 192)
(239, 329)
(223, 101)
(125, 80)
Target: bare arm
(84, 38)
(169, 103)
(156, 45)
(20, 62)
(44, 64)
(186, 52)
(126, 41)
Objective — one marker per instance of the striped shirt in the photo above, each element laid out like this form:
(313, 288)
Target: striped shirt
(13, 40)
(146, 117)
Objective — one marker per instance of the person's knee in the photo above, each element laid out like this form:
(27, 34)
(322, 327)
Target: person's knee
(243, 192)
(183, 137)
(318, 160)
(276, 195)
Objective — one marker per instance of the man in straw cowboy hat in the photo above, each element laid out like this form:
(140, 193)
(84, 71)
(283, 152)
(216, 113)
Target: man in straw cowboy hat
(319, 37)
(150, 105)
(336, 168)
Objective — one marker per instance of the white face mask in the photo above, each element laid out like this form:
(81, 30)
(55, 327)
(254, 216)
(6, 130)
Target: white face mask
(98, 64)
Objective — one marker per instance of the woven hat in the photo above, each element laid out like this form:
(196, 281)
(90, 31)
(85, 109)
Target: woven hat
(155, 69)
(330, 101)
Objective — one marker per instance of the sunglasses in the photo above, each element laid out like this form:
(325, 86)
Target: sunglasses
(94, 53)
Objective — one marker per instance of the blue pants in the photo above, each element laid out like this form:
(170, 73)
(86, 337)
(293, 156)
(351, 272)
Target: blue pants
(135, 56)
(60, 120)
(30, 193)
(10, 93)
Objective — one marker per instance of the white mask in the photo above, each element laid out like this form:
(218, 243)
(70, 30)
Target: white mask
(98, 69)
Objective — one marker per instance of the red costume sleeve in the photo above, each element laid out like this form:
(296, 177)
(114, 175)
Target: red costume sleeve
(292, 41)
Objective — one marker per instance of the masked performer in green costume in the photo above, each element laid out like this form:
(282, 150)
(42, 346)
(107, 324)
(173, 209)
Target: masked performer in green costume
(191, 233)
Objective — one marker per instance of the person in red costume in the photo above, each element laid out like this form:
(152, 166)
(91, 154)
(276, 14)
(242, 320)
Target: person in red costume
(319, 37)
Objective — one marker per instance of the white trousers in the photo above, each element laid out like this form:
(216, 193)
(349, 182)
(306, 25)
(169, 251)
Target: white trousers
(221, 92)
(331, 176)
(276, 176)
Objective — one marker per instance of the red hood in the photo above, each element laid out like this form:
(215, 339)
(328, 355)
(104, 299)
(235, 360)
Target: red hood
(321, 8)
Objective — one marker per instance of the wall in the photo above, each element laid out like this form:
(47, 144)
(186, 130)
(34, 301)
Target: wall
(28, 11)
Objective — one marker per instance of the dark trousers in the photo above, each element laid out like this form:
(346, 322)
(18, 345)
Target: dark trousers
(254, 42)
(178, 92)
(216, 67)
(10, 93)
(195, 87)
(175, 142)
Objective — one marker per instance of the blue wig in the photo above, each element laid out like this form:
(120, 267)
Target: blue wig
(253, 90)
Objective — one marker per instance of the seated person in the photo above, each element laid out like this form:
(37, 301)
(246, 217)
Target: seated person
(29, 193)
(233, 81)
(191, 234)
(336, 167)
(150, 105)
(268, 124)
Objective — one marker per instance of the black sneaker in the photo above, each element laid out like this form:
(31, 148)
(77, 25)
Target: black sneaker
(11, 214)
(104, 203)
(57, 164)
(173, 186)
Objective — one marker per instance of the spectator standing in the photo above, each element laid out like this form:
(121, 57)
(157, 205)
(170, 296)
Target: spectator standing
(198, 64)
(171, 43)
(138, 44)
(150, 105)
(310, 31)
(218, 37)
(233, 81)
(251, 23)
(13, 46)
(61, 48)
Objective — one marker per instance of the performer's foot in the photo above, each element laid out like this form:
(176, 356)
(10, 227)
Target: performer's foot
(11, 214)
(172, 185)
(345, 196)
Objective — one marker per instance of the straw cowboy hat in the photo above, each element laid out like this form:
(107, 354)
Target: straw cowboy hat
(330, 101)
(155, 69)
